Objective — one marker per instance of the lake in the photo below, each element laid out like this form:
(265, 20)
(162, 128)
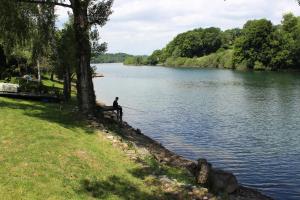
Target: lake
(244, 122)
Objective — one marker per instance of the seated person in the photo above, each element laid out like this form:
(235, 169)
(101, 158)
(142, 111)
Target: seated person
(118, 108)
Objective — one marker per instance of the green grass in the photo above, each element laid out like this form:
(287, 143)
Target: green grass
(47, 82)
(48, 153)
(174, 173)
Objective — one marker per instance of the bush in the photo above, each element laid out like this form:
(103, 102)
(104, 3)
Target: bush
(136, 60)
(259, 66)
(29, 86)
(37, 87)
(221, 59)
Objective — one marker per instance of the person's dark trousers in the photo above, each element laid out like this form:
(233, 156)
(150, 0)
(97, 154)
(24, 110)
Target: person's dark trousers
(120, 112)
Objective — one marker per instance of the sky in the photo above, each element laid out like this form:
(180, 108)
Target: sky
(141, 26)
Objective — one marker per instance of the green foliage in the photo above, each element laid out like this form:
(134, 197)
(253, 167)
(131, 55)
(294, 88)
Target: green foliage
(255, 42)
(136, 60)
(96, 47)
(289, 23)
(259, 45)
(16, 64)
(43, 34)
(264, 46)
(29, 86)
(193, 43)
(229, 37)
(177, 62)
(16, 23)
(33, 86)
(33, 23)
(221, 59)
(64, 56)
(26, 32)
(155, 57)
(110, 58)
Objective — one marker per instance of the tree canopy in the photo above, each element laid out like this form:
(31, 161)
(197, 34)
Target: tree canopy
(198, 42)
(258, 45)
(26, 21)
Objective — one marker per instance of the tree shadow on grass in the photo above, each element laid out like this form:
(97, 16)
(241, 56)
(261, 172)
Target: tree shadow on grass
(62, 114)
(151, 167)
(118, 187)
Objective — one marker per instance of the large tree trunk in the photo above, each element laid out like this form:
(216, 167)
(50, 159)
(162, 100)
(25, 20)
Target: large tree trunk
(85, 88)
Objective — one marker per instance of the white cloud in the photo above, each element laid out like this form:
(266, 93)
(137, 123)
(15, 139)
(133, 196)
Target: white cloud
(141, 26)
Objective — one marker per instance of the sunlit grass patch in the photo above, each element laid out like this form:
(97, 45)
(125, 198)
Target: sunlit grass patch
(48, 152)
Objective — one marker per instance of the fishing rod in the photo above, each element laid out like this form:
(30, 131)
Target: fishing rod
(133, 109)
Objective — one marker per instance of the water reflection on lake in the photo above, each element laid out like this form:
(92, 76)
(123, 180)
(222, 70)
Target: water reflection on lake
(245, 122)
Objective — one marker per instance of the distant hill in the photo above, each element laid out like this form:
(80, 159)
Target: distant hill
(110, 58)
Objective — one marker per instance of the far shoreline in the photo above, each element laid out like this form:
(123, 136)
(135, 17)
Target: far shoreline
(207, 68)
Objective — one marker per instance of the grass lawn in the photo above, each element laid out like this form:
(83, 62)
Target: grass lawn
(48, 153)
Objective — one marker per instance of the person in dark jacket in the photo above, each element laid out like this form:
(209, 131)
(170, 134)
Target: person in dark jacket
(118, 108)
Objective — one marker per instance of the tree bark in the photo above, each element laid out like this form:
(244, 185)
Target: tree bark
(85, 88)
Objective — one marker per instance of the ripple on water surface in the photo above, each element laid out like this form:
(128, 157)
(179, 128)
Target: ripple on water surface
(244, 122)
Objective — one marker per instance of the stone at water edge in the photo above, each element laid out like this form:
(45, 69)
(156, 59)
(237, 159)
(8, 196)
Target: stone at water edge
(223, 181)
(203, 171)
(218, 180)
(138, 131)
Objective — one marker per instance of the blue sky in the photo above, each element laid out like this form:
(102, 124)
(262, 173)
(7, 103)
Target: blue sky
(141, 26)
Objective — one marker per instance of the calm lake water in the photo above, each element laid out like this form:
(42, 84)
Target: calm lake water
(244, 122)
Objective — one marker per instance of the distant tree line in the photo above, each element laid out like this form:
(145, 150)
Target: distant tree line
(137, 60)
(259, 45)
(110, 58)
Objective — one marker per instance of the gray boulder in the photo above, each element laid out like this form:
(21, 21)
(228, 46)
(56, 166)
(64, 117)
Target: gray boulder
(217, 180)
(203, 172)
(223, 181)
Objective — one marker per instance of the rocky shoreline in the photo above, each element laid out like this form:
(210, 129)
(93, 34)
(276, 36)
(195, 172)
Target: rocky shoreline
(205, 174)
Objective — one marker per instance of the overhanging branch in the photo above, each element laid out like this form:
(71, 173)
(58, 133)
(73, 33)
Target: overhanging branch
(46, 2)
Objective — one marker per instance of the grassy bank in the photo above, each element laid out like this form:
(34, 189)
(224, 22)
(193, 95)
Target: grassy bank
(48, 151)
